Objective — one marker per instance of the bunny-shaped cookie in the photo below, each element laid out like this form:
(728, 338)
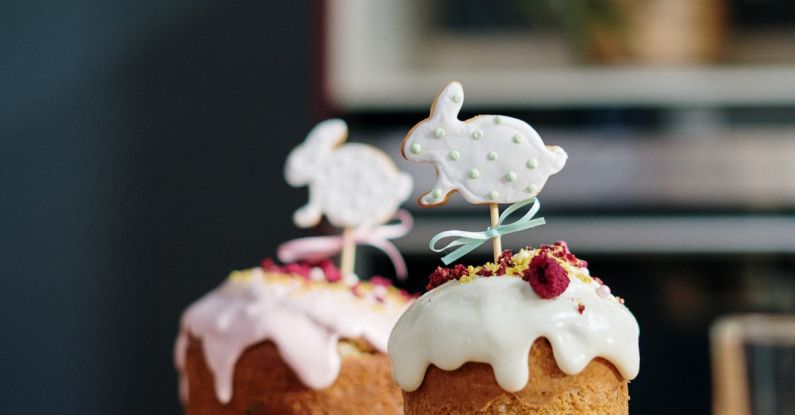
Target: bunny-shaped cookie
(352, 184)
(488, 158)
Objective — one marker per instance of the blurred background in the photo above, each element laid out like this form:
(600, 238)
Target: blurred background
(142, 146)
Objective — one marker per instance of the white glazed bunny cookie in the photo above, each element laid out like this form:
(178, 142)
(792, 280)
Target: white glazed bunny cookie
(488, 158)
(352, 184)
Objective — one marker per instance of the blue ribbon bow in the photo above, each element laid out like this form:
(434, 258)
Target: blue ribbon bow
(469, 241)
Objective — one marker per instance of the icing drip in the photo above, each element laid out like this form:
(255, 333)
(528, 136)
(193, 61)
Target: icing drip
(305, 320)
(495, 320)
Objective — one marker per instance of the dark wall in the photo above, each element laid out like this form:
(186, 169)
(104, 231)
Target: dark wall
(141, 152)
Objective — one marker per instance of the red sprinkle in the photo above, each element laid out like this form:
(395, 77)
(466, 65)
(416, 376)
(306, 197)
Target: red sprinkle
(506, 259)
(439, 276)
(546, 276)
(379, 280)
(298, 268)
(581, 308)
(459, 271)
(330, 269)
(485, 272)
(268, 265)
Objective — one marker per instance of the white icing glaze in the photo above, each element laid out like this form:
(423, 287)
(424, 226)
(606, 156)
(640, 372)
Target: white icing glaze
(304, 320)
(496, 320)
(491, 144)
(352, 184)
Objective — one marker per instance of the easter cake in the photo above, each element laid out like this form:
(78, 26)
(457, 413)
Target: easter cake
(289, 339)
(307, 337)
(532, 332)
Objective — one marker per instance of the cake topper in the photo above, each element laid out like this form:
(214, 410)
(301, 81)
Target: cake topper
(356, 187)
(489, 159)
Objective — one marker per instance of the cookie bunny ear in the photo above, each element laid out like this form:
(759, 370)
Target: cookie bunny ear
(319, 143)
(449, 102)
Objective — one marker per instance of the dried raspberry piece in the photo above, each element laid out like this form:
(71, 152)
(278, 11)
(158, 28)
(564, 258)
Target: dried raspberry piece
(506, 258)
(298, 268)
(564, 247)
(459, 271)
(380, 281)
(330, 270)
(485, 272)
(546, 276)
(439, 276)
(581, 308)
(269, 265)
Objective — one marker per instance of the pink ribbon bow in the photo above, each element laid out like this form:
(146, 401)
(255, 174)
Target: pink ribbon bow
(316, 248)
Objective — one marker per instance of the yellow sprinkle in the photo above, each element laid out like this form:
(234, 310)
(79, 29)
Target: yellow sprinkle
(240, 275)
(467, 278)
(491, 267)
(472, 271)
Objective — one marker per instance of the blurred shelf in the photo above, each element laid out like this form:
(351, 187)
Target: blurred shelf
(582, 87)
(383, 56)
(631, 235)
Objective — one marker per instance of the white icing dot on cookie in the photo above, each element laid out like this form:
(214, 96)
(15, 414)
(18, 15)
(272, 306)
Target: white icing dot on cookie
(415, 148)
(518, 138)
(437, 193)
(493, 195)
(492, 155)
(532, 188)
(474, 173)
(532, 163)
(511, 176)
(455, 155)
(477, 135)
(439, 133)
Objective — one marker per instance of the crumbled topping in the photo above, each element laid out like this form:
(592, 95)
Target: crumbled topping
(325, 271)
(549, 274)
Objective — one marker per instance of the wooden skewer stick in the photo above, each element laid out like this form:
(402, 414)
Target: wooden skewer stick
(496, 242)
(348, 252)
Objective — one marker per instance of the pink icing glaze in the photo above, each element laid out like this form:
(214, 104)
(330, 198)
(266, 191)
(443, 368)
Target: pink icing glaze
(305, 320)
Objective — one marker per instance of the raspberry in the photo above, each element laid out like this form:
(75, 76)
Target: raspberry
(581, 308)
(330, 270)
(506, 258)
(485, 272)
(268, 265)
(380, 281)
(298, 268)
(459, 271)
(546, 276)
(439, 276)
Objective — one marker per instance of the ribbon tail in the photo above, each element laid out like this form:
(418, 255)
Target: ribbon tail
(393, 253)
(461, 251)
(395, 230)
(311, 249)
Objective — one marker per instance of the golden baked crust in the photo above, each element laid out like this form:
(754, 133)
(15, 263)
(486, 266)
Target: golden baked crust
(472, 389)
(264, 384)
